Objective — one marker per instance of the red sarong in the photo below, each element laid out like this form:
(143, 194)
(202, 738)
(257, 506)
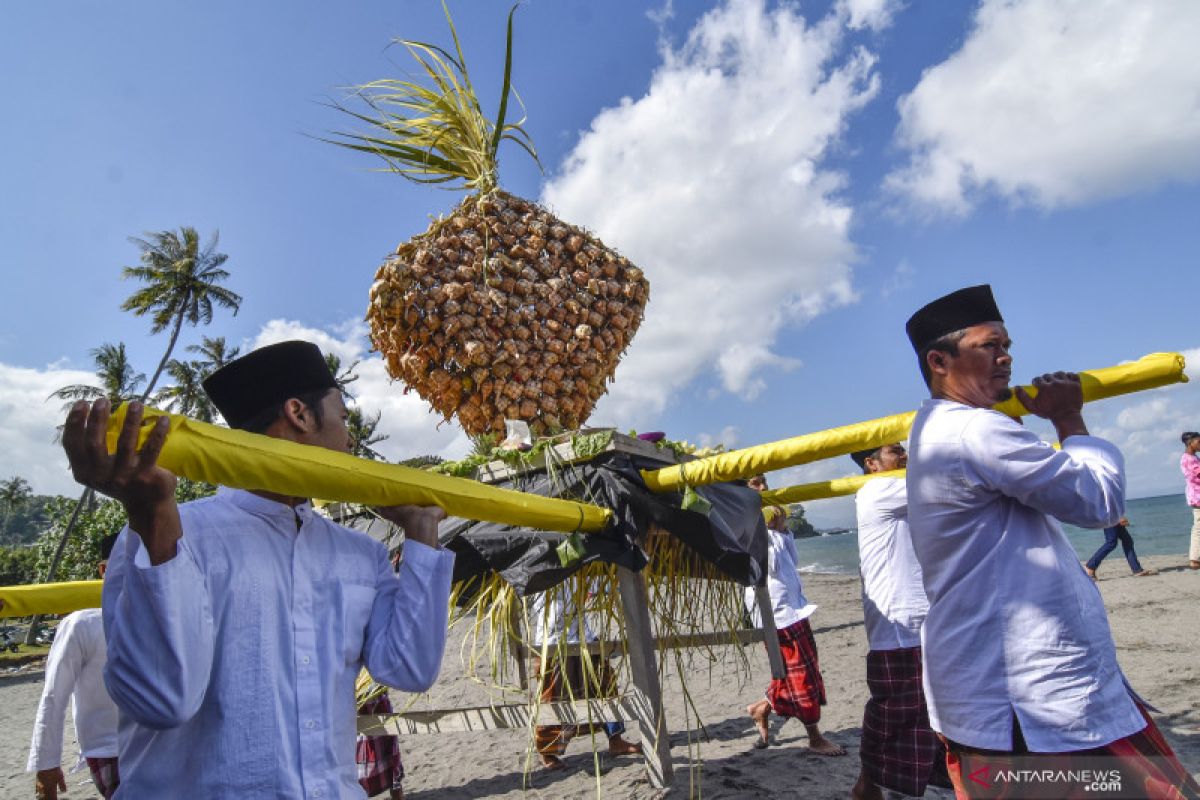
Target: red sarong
(802, 693)
(380, 768)
(899, 750)
(105, 775)
(1146, 765)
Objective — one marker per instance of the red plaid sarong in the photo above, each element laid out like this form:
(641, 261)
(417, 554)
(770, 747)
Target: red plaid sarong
(899, 750)
(1148, 768)
(378, 757)
(566, 679)
(104, 775)
(802, 693)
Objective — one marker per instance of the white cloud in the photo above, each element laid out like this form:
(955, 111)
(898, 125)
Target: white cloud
(1057, 103)
(873, 14)
(900, 279)
(411, 427)
(1192, 358)
(27, 436)
(27, 446)
(728, 437)
(713, 182)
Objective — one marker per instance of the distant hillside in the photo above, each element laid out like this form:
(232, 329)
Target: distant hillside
(26, 522)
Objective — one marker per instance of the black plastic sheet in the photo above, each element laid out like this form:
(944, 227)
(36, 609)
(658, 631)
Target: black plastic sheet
(732, 536)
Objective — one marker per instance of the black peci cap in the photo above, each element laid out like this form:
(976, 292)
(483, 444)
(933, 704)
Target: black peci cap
(957, 310)
(244, 388)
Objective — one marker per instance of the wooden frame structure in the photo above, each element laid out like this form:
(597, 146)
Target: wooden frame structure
(642, 705)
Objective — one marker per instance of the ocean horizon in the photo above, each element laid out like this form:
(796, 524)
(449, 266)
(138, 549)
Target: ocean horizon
(1161, 526)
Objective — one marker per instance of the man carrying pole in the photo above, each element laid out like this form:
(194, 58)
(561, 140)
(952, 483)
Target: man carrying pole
(237, 624)
(899, 750)
(1020, 662)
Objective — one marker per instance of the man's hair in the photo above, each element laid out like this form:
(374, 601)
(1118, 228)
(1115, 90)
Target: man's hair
(263, 419)
(1188, 436)
(944, 344)
(860, 457)
(106, 546)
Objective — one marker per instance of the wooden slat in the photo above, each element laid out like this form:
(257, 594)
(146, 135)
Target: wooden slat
(626, 708)
(656, 744)
(770, 635)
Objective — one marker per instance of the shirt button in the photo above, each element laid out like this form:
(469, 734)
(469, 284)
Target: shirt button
(310, 724)
(316, 792)
(305, 660)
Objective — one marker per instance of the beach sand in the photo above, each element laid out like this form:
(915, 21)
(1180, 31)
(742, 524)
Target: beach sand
(1149, 618)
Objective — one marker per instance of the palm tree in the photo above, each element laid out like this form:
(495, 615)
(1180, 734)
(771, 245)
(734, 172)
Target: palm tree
(214, 354)
(14, 492)
(118, 380)
(181, 285)
(342, 377)
(186, 396)
(362, 433)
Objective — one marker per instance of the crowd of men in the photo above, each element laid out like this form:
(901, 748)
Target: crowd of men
(236, 625)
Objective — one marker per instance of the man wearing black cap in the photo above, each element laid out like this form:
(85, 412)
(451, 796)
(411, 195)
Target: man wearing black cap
(1018, 653)
(237, 624)
(1190, 464)
(898, 749)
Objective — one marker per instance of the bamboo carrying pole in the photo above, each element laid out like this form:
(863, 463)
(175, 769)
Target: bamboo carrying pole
(242, 460)
(1148, 372)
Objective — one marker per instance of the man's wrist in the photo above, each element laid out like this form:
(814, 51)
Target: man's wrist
(1072, 425)
(159, 529)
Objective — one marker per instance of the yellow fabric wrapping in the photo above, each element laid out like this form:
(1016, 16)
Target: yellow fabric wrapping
(244, 460)
(49, 598)
(823, 489)
(1148, 372)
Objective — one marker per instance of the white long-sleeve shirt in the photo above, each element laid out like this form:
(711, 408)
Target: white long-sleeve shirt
(894, 602)
(550, 612)
(1014, 624)
(233, 664)
(75, 672)
(788, 603)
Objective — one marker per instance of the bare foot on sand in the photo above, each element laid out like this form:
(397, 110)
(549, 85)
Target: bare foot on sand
(759, 713)
(553, 763)
(617, 746)
(1091, 573)
(820, 745)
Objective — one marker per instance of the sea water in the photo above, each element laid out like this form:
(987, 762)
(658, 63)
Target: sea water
(1160, 527)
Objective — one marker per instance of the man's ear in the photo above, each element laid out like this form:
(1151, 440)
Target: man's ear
(936, 361)
(296, 414)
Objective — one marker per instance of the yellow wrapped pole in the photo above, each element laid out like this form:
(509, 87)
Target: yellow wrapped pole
(1148, 372)
(242, 460)
(49, 598)
(821, 490)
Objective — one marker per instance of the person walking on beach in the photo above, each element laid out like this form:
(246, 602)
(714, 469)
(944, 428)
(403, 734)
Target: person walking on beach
(899, 751)
(1111, 536)
(802, 693)
(558, 621)
(237, 624)
(1190, 464)
(1019, 655)
(75, 672)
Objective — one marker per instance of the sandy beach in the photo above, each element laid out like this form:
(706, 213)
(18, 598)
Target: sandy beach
(1149, 618)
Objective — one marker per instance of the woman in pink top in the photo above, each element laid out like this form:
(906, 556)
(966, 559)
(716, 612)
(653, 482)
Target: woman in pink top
(1190, 464)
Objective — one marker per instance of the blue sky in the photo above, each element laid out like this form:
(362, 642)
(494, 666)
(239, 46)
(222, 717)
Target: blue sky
(795, 179)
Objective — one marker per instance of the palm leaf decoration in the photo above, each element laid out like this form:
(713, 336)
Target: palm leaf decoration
(499, 310)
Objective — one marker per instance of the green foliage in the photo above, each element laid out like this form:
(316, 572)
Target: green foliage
(105, 517)
(18, 565)
(421, 462)
(26, 521)
(118, 380)
(797, 523)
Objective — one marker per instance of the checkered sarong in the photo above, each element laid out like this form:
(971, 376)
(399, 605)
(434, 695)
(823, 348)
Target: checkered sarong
(1149, 769)
(104, 775)
(899, 750)
(802, 693)
(380, 768)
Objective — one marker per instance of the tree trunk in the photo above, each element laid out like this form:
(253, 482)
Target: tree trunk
(166, 357)
(85, 499)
